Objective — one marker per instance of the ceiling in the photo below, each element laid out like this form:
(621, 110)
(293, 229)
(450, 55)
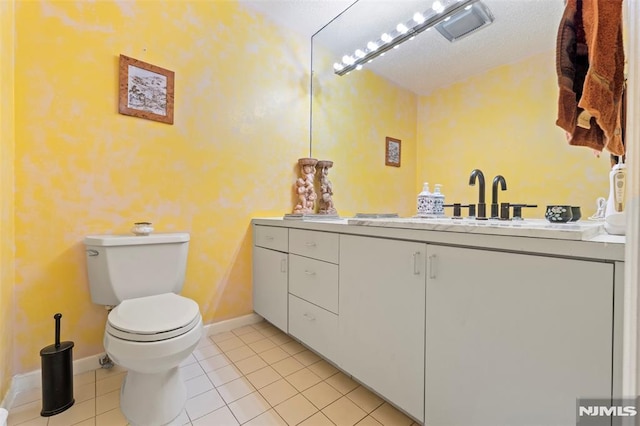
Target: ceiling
(305, 17)
(521, 28)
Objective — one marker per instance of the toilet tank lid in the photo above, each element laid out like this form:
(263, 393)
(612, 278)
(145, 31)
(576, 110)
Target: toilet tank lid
(132, 240)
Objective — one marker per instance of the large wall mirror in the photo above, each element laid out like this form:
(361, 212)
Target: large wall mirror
(487, 100)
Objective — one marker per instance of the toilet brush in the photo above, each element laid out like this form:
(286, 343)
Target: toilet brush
(57, 375)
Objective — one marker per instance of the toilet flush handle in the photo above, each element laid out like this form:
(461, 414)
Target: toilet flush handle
(92, 252)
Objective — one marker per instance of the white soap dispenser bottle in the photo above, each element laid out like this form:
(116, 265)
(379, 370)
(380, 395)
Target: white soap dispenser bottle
(615, 219)
(425, 202)
(438, 201)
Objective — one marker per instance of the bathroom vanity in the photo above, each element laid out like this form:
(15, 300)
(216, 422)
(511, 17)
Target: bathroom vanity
(454, 322)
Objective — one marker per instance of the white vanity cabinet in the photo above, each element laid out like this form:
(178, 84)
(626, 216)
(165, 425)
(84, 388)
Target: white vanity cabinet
(514, 339)
(382, 317)
(313, 290)
(270, 274)
(452, 328)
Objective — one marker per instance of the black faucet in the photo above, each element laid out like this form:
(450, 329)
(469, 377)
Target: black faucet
(494, 194)
(482, 205)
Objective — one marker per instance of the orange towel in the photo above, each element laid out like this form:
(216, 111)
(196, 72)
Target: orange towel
(589, 53)
(602, 93)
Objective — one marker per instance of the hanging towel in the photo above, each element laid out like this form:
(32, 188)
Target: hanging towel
(572, 64)
(602, 93)
(582, 60)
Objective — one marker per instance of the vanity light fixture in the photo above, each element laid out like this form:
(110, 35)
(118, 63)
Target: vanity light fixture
(456, 19)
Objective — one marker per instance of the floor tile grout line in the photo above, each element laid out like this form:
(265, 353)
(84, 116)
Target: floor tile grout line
(298, 392)
(271, 407)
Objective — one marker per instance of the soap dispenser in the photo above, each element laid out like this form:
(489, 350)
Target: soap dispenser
(615, 220)
(425, 202)
(438, 201)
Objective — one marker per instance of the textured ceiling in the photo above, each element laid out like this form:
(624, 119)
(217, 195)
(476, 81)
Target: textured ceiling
(521, 28)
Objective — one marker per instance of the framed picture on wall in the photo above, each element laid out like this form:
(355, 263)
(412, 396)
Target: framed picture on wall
(392, 152)
(145, 90)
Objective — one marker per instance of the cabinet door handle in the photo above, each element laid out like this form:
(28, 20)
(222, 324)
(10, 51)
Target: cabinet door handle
(310, 244)
(268, 237)
(416, 263)
(309, 317)
(307, 272)
(432, 266)
(283, 265)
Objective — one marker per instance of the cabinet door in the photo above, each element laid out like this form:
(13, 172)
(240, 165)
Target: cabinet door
(515, 339)
(381, 323)
(270, 286)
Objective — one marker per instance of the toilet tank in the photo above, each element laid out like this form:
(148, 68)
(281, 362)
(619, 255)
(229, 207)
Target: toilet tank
(124, 267)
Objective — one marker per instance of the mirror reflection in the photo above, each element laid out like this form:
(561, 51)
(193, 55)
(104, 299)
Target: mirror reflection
(486, 101)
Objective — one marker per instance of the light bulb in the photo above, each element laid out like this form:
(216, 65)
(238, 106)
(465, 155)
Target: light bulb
(402, 29)
(347, 60)
(418, 18)
(437, 7)
(468, 7)
(386, 38)
(337, 66)
(359, 53)
(372, 46)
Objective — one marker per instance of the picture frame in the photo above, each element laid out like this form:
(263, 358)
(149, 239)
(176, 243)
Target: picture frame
(145, 90)
(392, 151)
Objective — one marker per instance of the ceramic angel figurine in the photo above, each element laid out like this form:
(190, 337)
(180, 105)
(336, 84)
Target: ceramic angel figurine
(326, 188)
(304, 186)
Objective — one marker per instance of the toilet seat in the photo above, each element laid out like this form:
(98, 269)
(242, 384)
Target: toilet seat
(153, 318)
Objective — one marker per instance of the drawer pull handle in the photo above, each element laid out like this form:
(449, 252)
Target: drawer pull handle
(309, 317)
(416, 264)
(432, 266)
(310, 244)
(309, 272)
(268, 237)
(283, 265)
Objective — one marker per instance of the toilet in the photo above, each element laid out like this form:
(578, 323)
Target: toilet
(151, 329)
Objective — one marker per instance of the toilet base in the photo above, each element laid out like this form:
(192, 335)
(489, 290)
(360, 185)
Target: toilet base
(152, 399)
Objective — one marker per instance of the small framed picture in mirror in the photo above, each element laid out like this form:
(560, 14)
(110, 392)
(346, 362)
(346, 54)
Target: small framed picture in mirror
(392, 152)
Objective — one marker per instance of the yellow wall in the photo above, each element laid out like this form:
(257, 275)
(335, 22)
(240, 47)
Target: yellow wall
(241, 123)
(503, 123)
(352, 116)
(7, 277)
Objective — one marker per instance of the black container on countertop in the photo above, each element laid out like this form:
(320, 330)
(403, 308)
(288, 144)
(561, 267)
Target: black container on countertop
(57, 375)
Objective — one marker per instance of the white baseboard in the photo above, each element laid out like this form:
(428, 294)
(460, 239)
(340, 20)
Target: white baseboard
(3, 417)
(9, 397)
(230, 324)
(32, 379)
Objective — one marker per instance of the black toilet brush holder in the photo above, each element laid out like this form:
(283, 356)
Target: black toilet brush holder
(57, 375)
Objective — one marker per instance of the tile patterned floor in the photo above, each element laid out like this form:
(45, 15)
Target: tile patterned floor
(254, 375)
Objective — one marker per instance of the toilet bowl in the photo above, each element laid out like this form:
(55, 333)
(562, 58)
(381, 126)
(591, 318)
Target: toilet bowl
(152, 329)
(150, 336)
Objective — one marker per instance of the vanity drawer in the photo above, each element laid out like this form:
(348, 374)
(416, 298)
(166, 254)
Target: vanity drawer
(315, 244)
(271, 237)
(314, 281)
(314, 326)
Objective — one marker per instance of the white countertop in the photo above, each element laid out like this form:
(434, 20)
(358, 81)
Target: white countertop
(533, 228)
(583, 239)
